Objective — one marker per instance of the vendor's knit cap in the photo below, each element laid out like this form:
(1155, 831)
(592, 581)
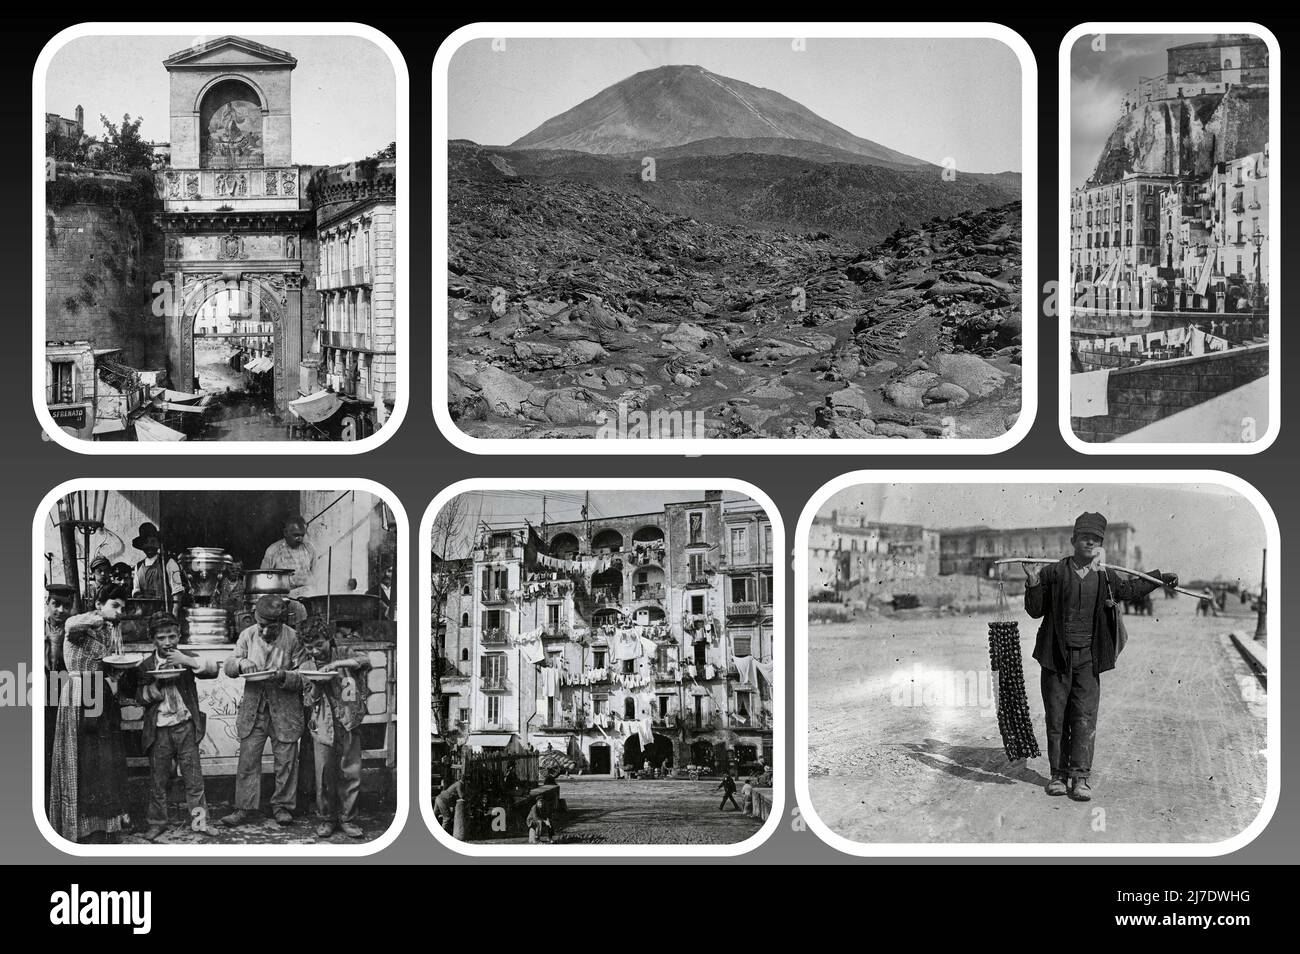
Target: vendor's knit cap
(1093, 523)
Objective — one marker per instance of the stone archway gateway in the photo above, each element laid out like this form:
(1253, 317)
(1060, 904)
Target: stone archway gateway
(272, 295)
(233, 203)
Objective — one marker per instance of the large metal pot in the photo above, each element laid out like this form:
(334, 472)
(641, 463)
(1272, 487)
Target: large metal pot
(355, 606)
(207, 625)
(203, 568)
(268, 581)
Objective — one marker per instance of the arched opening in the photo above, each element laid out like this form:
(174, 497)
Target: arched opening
(607, 541)
(660, 752)
(230, 127)
(466, 591)
(605, 617)
(629, 708)
(464, 619)
(607, 585)
(464, 653)
(598, 757)
(564, 546)
(633, 757)
(649, 615)
(702, 753)
(648, 584)
(648, 535)
(234, 349)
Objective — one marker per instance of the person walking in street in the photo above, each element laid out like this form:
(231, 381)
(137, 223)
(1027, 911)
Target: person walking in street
(728, 788)
(1080, 637)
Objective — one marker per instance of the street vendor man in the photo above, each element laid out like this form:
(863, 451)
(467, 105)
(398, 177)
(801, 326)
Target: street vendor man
(151, 580)
(1080, 638)
(293, 552)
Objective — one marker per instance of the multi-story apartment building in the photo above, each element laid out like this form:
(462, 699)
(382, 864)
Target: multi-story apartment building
(356, 352)
(1115, 241)
(846, 548)
(610, 639)
(452, 595)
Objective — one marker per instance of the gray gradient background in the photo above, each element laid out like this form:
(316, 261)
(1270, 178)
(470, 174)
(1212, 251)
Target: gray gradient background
(417, 462)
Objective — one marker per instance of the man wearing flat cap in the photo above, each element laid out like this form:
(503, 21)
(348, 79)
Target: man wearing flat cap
(270, 709)
(1079, 639)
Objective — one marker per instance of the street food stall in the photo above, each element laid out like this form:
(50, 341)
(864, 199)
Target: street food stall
(212, 536)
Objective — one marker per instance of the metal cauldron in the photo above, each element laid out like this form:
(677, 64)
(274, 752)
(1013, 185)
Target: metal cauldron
(203, 568)
(207, 625)
(268, 581)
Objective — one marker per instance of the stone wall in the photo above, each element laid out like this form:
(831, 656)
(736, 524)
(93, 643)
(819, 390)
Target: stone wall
(1142, 395)
(101, 259)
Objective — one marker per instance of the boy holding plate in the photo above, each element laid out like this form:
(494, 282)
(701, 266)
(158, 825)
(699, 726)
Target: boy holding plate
(173, 723)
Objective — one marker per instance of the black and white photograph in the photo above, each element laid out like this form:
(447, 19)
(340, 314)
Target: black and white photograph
(1171, 178)
(1003, 663)
(749, 238)
(220, 239)
(602, 667)
(221, 667)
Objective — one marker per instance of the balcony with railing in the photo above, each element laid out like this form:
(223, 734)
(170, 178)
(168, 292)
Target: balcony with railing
(347, 340)
(743, 608)
(495, 594)
(492, 682)
(357, 276)
(670, 721)
(648, 593)
(556, 631)
(495, 636)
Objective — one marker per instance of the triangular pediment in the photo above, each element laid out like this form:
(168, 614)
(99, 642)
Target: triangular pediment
(228, 52)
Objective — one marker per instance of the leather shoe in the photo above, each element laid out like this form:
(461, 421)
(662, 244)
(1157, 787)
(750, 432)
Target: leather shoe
(324, 829)
(236, 818)
(1056, 786)
(283, 816)
(1082, 791)
(352, 831)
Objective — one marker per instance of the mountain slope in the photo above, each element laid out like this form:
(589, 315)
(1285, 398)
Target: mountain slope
(674, 105)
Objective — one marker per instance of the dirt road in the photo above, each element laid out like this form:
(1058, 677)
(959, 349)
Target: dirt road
(905, 748)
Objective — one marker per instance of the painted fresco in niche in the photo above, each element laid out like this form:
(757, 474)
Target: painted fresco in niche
(230, 128)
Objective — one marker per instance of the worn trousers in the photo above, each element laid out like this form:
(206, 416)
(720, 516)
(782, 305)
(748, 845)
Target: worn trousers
(1070, 700)
(174, 746)
(338, 775)
(248, 783)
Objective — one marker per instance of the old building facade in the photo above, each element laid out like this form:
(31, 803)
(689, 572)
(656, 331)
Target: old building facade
(618, 641)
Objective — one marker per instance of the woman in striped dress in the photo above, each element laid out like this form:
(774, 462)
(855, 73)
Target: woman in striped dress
(88, 794)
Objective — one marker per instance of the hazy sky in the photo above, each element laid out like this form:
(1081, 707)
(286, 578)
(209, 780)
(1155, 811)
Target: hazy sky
(1098, 82)
(510, 508)
(344, 90)
(929, 98)
(1195, 530)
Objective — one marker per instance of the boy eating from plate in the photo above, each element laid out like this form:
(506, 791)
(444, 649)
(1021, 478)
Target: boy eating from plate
(173, 723)
(335, 709)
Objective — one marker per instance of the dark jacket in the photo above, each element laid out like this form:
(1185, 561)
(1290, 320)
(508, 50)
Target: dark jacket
(285, 701)
(151, 690)
(1047, 601)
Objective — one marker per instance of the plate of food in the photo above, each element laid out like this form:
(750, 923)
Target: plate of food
(122, 660)
(318, 675)
(261, 675)
(165, 673)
